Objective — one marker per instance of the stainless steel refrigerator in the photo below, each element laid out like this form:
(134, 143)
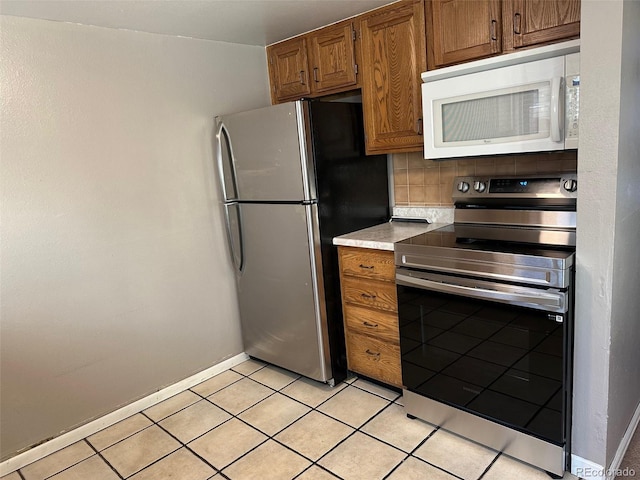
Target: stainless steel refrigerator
(294, 176)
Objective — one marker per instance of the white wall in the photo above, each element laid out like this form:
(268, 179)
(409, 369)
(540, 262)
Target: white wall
(607, 332)
(624, 363)
(115, 277)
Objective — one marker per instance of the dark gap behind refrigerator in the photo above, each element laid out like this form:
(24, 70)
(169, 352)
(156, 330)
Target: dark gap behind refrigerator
(353, 194)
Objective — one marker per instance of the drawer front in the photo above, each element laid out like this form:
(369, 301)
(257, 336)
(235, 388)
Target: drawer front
(374, 358)
(382, 325)
(367, 263)
(369, 293)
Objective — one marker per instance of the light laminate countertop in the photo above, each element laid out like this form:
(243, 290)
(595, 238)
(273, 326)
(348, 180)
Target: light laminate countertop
(382, 237)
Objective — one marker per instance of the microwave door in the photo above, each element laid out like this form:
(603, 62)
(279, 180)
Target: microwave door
(513, 109)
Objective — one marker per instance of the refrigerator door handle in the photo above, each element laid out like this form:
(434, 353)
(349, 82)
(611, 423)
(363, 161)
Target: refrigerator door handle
(238, 260)
(319, 298)
(222, 135)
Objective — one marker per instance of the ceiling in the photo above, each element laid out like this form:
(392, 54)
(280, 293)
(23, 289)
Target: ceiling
(250, 22)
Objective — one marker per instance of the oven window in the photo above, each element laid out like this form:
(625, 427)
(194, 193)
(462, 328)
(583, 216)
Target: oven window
(499, 361)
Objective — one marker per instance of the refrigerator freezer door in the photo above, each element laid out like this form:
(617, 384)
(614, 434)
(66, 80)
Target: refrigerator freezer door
(281, 304)
(265, 150)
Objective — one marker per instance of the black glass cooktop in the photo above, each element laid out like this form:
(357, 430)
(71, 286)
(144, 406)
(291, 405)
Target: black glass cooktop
(523, 241)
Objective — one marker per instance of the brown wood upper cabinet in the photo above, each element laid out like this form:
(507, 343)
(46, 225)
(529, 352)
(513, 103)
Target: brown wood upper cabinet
(393, 57)
(463, 30)
(530, 22)
(318, 63)
(288, 69)
(332, 57)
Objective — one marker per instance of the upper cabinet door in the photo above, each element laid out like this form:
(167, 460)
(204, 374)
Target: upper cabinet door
(393, 57)
(530, 22)
(288, 70)
(462, 30)
(333, 58)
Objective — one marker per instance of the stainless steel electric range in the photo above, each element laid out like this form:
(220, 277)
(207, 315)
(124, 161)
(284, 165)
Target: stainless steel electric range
(486, 317)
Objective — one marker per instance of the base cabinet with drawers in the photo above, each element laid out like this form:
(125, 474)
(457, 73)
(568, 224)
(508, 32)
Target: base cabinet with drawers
(370, 309)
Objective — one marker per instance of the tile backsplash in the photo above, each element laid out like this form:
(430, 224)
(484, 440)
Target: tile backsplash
(420, 182)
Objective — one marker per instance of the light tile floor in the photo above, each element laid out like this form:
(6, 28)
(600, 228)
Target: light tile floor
(257, 421)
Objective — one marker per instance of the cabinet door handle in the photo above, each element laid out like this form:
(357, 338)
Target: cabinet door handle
(493, 31)
(366, 295)
(419, 126)
(315, 74)
(370, 325)
(517, 23)
(376, 355)
(302, 77)
(367, 267)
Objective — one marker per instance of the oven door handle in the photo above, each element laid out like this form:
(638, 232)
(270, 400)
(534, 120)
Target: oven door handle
(542, 299)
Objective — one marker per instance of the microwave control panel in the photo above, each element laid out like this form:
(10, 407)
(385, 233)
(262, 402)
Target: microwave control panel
(572, 99)
(572, 106)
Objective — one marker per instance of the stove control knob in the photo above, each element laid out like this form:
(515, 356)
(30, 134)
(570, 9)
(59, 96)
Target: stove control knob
(479, 187)
(571, 185)
(463, 187)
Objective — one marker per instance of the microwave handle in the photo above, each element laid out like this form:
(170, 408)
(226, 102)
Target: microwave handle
(557, 112)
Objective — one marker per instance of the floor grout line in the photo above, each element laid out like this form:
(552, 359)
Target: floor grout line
(186, 445)
(490, 465)
(103, 459)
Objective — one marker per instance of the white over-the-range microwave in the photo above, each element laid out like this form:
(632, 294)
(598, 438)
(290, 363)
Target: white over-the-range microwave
(521, 102)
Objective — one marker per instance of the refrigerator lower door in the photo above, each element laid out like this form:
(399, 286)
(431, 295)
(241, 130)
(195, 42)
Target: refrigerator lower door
(281, 300)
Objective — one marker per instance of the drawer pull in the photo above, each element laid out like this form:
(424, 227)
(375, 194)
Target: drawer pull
(367, 296)
(376, 355)
(367, 267)
(370, 325)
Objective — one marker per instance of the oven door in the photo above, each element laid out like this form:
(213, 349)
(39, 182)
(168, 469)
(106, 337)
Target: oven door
(498, 351)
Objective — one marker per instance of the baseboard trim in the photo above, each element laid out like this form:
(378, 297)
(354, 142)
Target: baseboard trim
(77, 434)
(583, 468)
